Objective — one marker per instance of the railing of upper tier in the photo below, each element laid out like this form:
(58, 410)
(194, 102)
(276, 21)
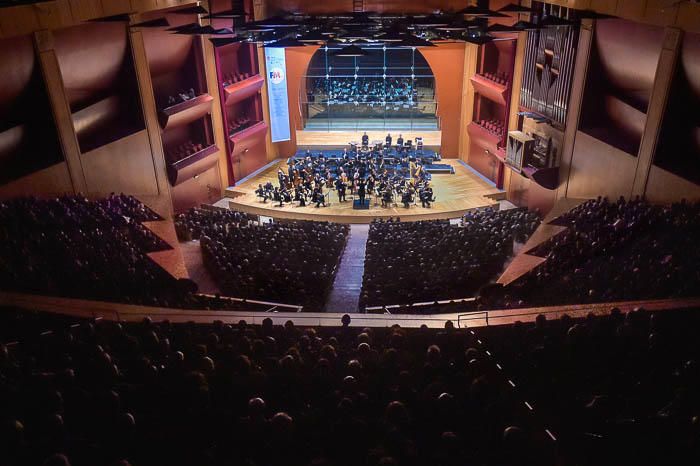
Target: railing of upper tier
(481, 318)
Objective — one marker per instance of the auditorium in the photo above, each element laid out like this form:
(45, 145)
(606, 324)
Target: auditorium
(349, 232)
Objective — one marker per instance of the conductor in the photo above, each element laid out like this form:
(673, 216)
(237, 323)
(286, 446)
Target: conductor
(362, 191)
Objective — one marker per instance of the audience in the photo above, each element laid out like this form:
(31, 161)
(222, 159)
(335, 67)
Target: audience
(613, 251)
(423, 261)
(102, 393)
(180, 394)
(73, 247)
(285, 262)
(617, 389)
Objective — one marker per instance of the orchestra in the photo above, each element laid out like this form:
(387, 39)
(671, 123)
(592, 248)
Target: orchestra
(365, 170)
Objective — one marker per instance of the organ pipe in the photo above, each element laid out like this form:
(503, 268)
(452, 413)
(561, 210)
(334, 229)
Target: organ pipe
(550, 54)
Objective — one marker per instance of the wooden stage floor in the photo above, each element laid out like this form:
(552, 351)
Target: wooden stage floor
(455, 195)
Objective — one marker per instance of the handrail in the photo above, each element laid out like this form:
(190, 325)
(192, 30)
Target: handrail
(422, 304)
(470, 316)
(131, 313)
(295, 307)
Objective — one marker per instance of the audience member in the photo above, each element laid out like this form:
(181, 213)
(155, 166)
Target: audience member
(422, 261)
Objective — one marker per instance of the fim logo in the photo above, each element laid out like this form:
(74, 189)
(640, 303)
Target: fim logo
(276, 75)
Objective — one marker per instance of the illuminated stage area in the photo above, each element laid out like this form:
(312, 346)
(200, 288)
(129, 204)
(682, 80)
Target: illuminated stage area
(454, 193)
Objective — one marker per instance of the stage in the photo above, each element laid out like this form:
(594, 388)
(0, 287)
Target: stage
(338, 139)
(455, 193)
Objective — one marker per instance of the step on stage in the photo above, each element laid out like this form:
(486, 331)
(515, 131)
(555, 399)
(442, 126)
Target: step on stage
(455, 194)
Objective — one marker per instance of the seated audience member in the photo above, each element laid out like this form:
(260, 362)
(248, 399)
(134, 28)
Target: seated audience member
(613, 251)
(284, 262)
(105, 393)
(99, 250)
(428, 260)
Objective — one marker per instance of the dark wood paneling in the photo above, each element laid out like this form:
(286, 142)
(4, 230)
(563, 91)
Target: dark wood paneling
(28, 139)
(678, 150)
(600, 169)
(202, 189)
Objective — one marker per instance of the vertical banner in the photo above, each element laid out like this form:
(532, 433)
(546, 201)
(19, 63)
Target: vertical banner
(278, 101)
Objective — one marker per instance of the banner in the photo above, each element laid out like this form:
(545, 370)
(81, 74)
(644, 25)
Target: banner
(276, 68)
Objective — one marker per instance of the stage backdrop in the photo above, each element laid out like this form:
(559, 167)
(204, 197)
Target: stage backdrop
(447, 63)
(278, 101)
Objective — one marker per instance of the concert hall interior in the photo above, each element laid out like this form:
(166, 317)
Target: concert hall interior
(349, 232)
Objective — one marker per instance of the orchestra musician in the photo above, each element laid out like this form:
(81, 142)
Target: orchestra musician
(341, 185)
(418, 173)
(318, 197)
(261, 192)
(363, 170)
(407, 197)
(361, 191)
(426, 196)
(387, 197)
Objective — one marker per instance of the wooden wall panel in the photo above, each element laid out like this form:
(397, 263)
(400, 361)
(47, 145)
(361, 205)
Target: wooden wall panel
(471, 60)
(115, 7)
(216, 116)
(657, 107)
(19, 20)
(604, 6)
(196, 191)
(82, 10)
(517, 188)
(143, 77)
(631, 9)
(54, 15)
(665, 187)
(600, 169)
(660, 12)
(124, 166)
(688, 17)
(52, 181)
(446, 62)
(572, 119)
(61, 109)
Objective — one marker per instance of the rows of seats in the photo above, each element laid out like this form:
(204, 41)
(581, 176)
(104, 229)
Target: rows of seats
(91, 249)
(410, 262)
(602, 390)
(613, 251)
(181, 394)
(286, 262)
(618, 389)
